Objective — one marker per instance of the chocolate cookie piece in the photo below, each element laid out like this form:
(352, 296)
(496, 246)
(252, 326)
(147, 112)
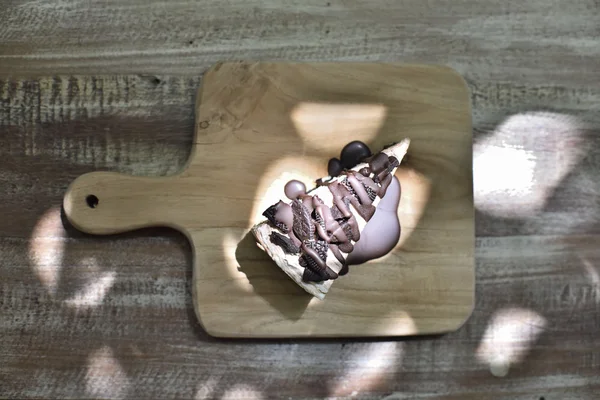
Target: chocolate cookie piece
(280, 215)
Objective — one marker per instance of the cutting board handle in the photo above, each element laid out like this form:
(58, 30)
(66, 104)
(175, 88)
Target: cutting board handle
(106, 202)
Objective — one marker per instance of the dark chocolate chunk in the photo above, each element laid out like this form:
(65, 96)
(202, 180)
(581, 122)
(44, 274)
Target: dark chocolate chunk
(303, 226)
(269, 213)
(334, 167)
(379, 163)
(354, 153)
(285, 243)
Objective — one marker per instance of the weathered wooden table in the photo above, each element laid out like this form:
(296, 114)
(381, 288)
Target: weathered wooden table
(89, 317)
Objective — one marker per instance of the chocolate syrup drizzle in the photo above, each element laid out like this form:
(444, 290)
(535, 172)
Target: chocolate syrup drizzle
(314, 228)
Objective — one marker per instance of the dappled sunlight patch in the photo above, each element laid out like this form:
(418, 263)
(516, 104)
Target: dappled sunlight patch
(505, 172)
(367, 368)
(518, 166)
(206, 389)
(245, 392)
(96, 288)
(46, 248)
(317, 123)
(508, 337)
(105, 377)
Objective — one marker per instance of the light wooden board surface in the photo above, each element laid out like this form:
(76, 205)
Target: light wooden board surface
(260, 124)
(141, 335)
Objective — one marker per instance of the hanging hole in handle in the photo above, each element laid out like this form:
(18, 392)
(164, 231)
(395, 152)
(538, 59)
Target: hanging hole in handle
(92, 201)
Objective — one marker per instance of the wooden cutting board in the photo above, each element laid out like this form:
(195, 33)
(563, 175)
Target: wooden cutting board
(259, 123)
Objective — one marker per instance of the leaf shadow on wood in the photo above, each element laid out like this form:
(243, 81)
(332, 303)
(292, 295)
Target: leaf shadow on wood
(268, 280)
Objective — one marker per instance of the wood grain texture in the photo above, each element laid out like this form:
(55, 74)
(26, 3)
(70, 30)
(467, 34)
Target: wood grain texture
(517, 56)
(252, 130)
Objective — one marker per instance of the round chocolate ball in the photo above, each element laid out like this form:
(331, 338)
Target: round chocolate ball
(334, 167)
(353, 153)
(294, 189)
